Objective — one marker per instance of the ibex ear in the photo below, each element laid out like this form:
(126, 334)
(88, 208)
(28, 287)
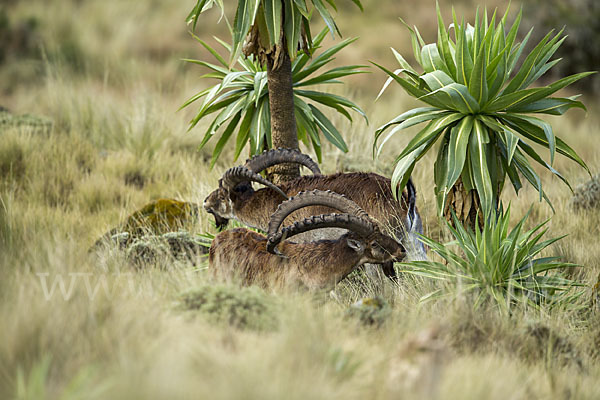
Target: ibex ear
(356, 245)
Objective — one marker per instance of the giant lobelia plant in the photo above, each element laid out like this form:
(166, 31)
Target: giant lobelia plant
(240, 100)
(497, 265)
(481, 102)
(272, 31)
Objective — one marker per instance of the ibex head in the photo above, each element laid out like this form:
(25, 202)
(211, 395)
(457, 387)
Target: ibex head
(364, 237)
(236, 182)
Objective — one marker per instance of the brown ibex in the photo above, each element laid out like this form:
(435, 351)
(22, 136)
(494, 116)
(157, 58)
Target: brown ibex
(236, 199)
(273, 261)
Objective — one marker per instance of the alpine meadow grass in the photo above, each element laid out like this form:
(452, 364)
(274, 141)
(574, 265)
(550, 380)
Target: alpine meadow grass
(96, 135)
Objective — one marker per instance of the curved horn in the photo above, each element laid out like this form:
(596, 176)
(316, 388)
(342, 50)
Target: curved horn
(359, 225)
(314, 198)
(234, 176)
(278, 156)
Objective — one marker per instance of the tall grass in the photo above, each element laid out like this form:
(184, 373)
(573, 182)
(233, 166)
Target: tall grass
(117, 142)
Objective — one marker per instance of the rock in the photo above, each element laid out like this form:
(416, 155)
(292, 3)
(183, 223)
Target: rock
(154, 232)
(161, 216)
(149, 249)
(155, 218)
(587, 195)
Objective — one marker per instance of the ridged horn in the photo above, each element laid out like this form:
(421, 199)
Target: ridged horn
(269, 158)
(314, 198)
(233, 176)
(359, 225)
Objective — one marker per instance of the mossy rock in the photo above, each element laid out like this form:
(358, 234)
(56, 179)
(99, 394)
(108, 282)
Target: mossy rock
(241, 307)
(371, 311)
(155, 218)
(161, 216)
(587, 195)
(30, 122)
(154, 232)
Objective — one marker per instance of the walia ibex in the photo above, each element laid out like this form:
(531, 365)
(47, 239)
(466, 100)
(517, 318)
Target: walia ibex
(274, 261)
(236, 199)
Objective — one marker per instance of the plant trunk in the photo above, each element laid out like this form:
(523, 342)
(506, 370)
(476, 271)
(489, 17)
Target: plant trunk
(466, 206)
(283, 119)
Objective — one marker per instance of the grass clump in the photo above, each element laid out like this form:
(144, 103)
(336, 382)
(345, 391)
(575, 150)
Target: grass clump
(12, 159)
(241, 307)
(526, 337)
(371, 311)
(587, 195)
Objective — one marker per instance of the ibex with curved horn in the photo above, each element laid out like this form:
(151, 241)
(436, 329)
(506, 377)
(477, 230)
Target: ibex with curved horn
(236, 199)
(272, 260)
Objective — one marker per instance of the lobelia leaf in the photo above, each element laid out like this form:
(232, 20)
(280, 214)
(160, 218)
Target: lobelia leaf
(440, 173)
(403, 170)
(412, 89)
(437, 80)
(536, 134)
(224, 139)
(260, 82)
(329, 76)
(329, 21)
(430, 132)
(552, 106)
(301, 4)
(527, 171)
(244, 131)
(432, 61)
(329, 131)
(532, 153)
(414, 120)
(511, 141)
(528, 67)
(403, 63)
(244, 19)
(292, 27)
(541, 65)
(540, 124)
(528, 96)
(272, 9)
(256, 129)
(321, 60)
(459, 98)
(416, 40)
(479, 166)
(212, 51)
(478, 83)
(464, 61)
(457, 150)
